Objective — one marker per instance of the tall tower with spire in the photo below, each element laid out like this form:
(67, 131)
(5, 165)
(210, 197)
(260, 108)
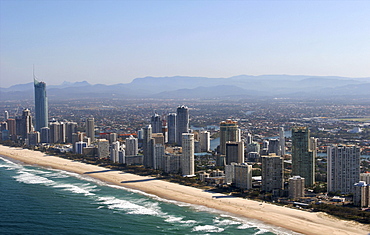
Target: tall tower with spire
(41, 104)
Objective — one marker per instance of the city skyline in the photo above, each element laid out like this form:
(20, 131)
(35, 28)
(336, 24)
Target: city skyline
(120, 41)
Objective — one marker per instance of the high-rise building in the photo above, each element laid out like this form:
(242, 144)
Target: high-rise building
(131, 146)
(159, 156)
(156, 123)
(12, 126)
(182, 122)
(158, 137)
(172, 128)
(205, 141)
(274, 146)
(343, 168)
(148, 147)
(282, 141)
(33, 138)
(103, 148)
(249, 138)
(112, 137)
(303, 157)
(62, 132)
(165, 130)
(122, 156)
(265, 147)
(79, 147)
(24, 123)
(365, 177)
(296, 187)
(41, 105)
(234, 152)
(361, 196)
(45, 135)
(272, 173)
(70, 129)
(55, 132)
(187, 158)
(6, 115)
(243, 176)
(90, 128)
(3, 126)
(172, 163)
(114, 151)
(229, 131)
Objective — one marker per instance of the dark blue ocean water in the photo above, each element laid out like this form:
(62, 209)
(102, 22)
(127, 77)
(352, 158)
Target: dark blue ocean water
(36, 200)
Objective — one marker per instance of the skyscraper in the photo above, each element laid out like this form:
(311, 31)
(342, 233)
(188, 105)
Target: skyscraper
(103, 148)
(6, 115)
(156, 123)
(45, 135)
(182, 122)
(205, 141)
(71, 128)
(131, 146)
(172, 128)
(90, 128)
(272, 172)
(187, 158)
(234, 152)
(282, 141)
(41, 105)
(229, 131)
(343, 168)
(303, 157)
(148, 146)
(296, 187)
(24, 124)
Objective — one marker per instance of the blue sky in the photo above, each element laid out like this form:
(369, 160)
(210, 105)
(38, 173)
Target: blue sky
(116, 41)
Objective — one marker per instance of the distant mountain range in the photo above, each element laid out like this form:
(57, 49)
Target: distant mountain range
(180, 87)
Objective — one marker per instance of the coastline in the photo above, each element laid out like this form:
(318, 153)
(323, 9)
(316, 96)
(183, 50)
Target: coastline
(292, 219)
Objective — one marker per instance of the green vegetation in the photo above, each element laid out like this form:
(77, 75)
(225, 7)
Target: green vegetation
(344, 212)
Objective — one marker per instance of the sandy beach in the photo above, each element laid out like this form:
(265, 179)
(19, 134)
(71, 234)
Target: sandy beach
(292, 219)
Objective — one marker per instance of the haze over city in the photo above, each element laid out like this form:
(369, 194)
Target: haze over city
(114, 42)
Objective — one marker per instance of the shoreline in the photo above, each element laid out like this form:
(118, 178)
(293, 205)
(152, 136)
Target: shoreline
(292, 219)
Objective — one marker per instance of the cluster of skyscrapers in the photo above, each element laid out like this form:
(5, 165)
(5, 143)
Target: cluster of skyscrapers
(168, 144)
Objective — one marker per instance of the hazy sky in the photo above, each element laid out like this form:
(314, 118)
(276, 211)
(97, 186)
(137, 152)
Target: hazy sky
(116, 41)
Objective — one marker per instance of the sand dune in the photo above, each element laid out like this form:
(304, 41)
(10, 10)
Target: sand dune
(292, 219)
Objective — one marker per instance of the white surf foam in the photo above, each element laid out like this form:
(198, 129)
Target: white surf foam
(85, 189)
(208, 228)
(29, 178)
(130, 208)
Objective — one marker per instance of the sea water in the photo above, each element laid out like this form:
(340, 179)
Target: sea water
(37, 200)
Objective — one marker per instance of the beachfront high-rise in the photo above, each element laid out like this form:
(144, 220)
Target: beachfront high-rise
(24, 123)
(148, 146)
(272, 173)
(182, 122)
(187, 158)
(41, 105)
(229, 131)
(303, 157)
(172, 128)
(90, 128)
(132, 146)
(343, 168)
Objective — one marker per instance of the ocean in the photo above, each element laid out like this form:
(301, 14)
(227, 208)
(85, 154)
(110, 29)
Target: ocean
(37, 200)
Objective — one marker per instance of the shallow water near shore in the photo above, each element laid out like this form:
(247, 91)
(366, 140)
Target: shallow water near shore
(39, 200)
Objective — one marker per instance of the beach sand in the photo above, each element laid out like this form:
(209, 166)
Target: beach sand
(292, 219)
